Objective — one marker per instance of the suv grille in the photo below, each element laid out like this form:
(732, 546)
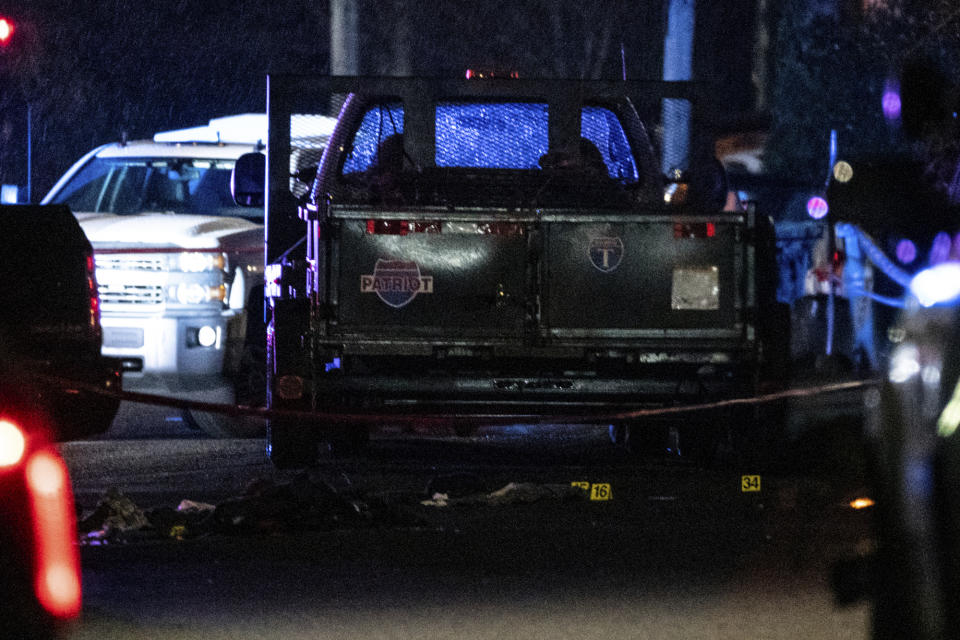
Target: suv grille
(139, 263)
(131, 294)
(113, 291)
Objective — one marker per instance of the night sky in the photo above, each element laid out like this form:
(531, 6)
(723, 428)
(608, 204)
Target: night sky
(104, 69)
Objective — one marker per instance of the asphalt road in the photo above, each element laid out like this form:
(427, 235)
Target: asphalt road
(678, 552)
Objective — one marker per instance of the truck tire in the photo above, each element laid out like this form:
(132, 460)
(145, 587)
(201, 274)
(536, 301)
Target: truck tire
(248, 390)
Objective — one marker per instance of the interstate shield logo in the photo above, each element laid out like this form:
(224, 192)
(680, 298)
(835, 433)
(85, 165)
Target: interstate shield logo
(396, 282)
(606, 253)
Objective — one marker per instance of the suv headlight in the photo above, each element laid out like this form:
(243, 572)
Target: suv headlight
(196, 293)
(197, 261)
(197, 277)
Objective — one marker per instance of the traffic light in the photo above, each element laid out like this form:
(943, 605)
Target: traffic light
(6, 31)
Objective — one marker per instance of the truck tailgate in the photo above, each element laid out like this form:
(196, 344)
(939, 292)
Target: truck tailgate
(549, 278)
(642, 276)
(421, 276)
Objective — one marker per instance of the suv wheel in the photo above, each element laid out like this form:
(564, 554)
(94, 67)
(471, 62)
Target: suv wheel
(249, 390)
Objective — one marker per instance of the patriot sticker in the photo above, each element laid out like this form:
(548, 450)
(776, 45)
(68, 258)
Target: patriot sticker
(606, 253)
(396, 282)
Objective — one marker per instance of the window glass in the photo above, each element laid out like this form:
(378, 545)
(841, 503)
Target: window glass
(494, 135)
(601, 126)
(379, 123)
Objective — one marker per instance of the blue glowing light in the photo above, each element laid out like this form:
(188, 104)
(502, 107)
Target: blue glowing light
(8, 194)
(906, 251)
(940, 251)
(817, 207)
(937, 285)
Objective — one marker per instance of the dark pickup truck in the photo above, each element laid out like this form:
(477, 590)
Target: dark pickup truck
(499, 250)
(50, 334)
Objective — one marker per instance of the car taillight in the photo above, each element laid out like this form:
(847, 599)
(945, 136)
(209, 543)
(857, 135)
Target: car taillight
(13, 444)
(93, 294)
(57, 566)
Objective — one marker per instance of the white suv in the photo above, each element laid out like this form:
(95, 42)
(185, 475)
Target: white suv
(179, 264)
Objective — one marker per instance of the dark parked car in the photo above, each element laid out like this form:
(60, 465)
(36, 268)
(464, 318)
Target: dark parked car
(50, 319)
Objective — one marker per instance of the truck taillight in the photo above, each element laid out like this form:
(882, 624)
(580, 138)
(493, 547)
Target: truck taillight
(57, 583)
(694, 230)
(400, 227)
(388, 227)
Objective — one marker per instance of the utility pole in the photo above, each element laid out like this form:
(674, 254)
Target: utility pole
(344, 50)
(677, 66)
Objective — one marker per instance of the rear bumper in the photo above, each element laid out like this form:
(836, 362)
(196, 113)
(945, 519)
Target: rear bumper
(66, 392)
(538, 394)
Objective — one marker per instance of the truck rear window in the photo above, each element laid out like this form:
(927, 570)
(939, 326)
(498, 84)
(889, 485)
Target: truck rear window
(378, 124)
(601, 126)
(511, 135)
(499, 135)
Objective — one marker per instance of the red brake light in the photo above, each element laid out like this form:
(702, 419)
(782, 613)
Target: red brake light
(400, 227)
(388, 227)
(6, 31)
(694, 230)
(13, 444)
(57, 570)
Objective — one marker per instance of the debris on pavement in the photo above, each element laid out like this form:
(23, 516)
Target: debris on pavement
(512, 493)
(457, 485)
(526, 492)
(190, 506)
(306, 502)
(438, 500)
(116, 515)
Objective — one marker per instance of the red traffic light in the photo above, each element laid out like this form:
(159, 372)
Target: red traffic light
(6, 31)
